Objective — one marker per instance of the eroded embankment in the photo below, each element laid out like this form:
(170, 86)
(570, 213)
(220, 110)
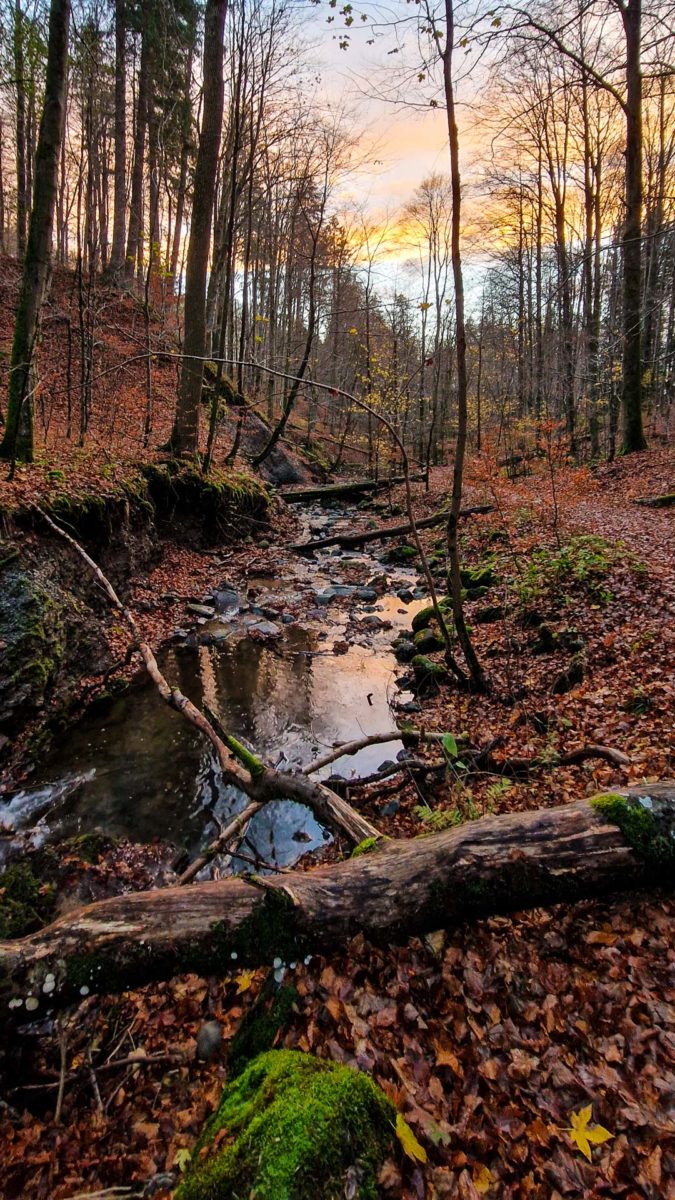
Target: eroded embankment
(55, 623)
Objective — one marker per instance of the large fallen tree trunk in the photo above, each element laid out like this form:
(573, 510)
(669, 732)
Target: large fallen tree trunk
(350, 540)
(342, 491)
(400, 888)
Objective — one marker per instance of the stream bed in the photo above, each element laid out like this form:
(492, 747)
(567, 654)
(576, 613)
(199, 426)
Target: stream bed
(292, 666)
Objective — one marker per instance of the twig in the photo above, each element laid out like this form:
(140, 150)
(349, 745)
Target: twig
(62, 1077)
(94, 1081)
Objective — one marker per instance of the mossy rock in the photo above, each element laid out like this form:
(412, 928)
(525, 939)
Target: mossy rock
(25, 903)
(473, 578)
(428, 641)
(488, 614)
(425, 616)
(296, 1128)
(402, 554)
(428, 674)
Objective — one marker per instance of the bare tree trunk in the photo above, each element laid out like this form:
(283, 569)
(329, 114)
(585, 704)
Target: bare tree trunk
(19, 70)
(117, 253)
(478, 679)
(185, 433)
(18, 440)
(633, 434)
(136, 202)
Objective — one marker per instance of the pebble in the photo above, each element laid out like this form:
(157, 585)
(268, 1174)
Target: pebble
(209, 1040)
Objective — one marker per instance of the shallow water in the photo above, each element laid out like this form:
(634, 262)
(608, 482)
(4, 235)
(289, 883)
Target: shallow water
(148, 773)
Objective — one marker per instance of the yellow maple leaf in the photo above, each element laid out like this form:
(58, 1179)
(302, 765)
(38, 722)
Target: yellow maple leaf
(182, 1160)
(483, 1179)
(585, 1136)
(243, 981)
(408, 1141)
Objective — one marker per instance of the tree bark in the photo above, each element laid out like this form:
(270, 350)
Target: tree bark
(18, 440)
(633, 434)
(185, 433)
(136, 201)
(497, 864)
(119, 189)
(349, 540)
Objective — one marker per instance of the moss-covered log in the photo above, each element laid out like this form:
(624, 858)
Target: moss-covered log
(496, 864)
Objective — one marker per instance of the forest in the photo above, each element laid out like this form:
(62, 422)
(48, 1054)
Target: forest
(337, 599)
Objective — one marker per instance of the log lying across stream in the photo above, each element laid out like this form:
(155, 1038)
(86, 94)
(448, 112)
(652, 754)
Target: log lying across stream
(399, 888)
(342, 491)
(350, 540)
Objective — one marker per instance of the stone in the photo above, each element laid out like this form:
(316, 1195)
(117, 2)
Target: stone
(406, 595)
(209, 1040)
(366, 593)
(426, 641)
(390, 808)
(404, 651)
(202, 610)
(264, 629)
(225, 601)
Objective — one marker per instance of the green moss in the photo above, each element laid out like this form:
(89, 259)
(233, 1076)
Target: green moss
(260, 1026)
(400, 554)
(649, 838)
(425, 616)
(427, 641)
(223, 504)
(364, 847)
(25, 903)
(427, 672)
(294, 1126)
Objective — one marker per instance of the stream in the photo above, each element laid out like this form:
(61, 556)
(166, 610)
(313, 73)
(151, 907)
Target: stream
(292, 666)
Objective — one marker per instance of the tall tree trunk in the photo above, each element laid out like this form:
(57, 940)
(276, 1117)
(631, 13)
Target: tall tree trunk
(136, 203)
(18, 440)
(633, 434)
(119, 187)
(19, 71)
(478, 680)
(185, 433)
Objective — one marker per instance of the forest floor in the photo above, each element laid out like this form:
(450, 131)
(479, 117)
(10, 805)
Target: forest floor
(489, 1037)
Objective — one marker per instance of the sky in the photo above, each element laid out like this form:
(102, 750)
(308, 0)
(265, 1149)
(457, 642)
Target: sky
(403, 139)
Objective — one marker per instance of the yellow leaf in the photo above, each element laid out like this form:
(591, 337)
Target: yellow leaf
(408, 1141)
(584, 1136)
(483, 1179)
(243, 981)
(182, 1159)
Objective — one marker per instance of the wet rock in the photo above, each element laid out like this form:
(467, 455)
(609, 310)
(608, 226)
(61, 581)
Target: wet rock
(404, 651)
(366, 593)
(409, 706)
(406, 595)
(427, 641)
(390, 808)
(387, 765)
(225, 600)
(378, 582)
(264, 629)
(335, 592)
(178, 635)
(202, 610)
(287, 618)
(372, 621)
(425, 616)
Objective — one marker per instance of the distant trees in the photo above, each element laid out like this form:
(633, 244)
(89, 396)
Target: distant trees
(570, 312)
(17, 442)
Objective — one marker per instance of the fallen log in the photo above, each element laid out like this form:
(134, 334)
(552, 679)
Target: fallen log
(350, 540)
(667, 500)
(399, 888)
(343, 491)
